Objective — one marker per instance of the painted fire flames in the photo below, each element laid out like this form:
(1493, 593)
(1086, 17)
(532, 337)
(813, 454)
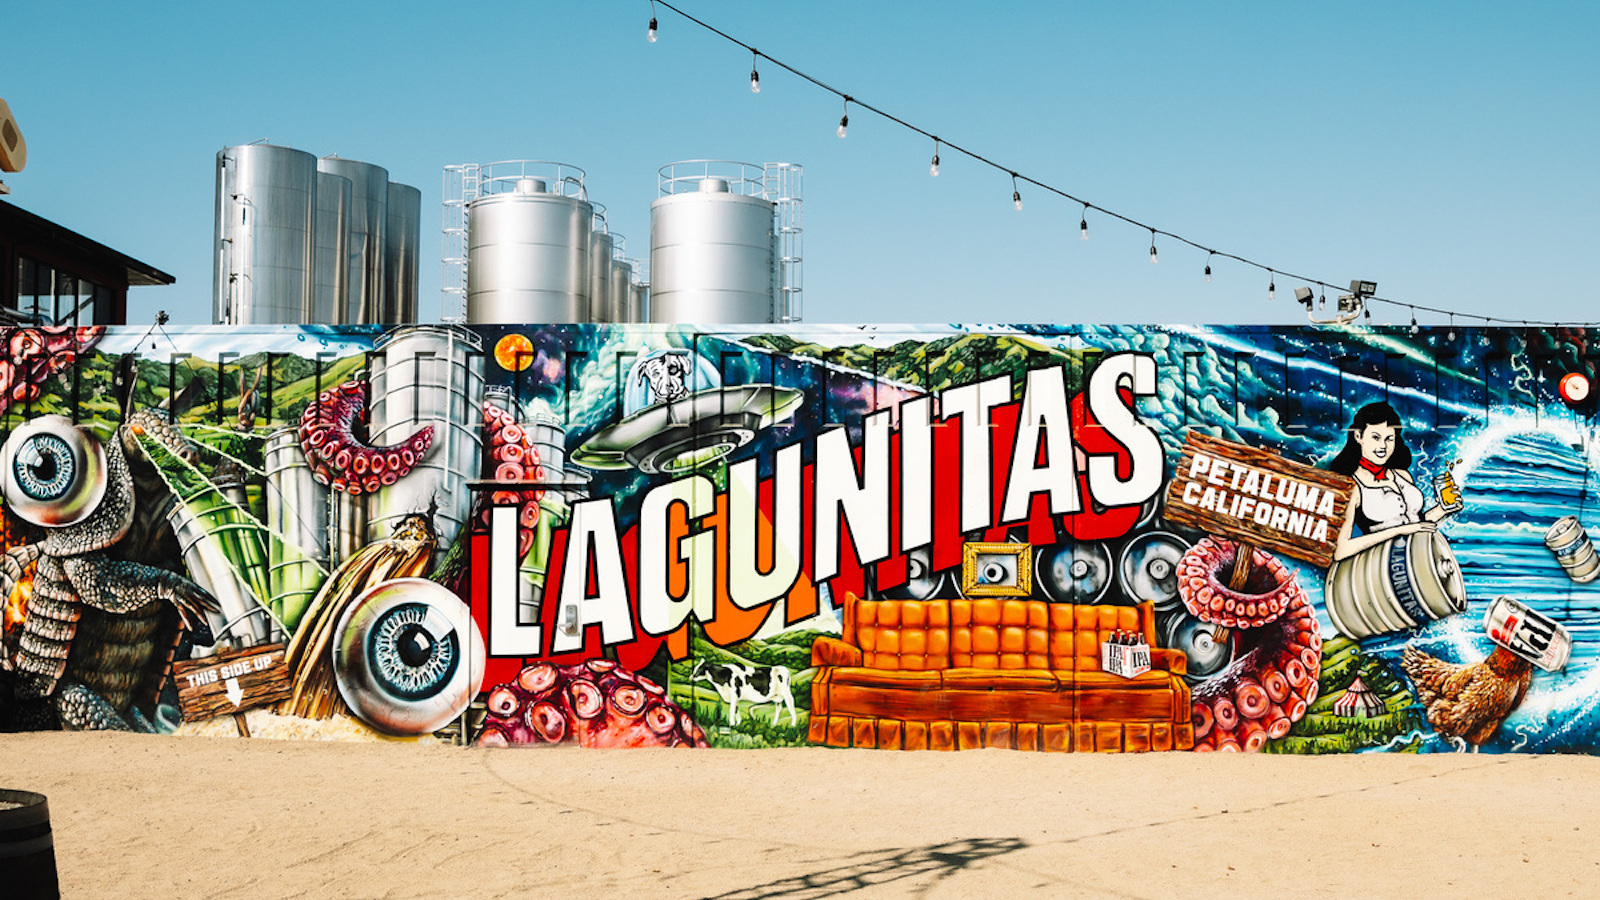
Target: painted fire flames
(595, 704)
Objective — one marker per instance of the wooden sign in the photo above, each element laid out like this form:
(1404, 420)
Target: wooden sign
(1258, 497)
(231, 682)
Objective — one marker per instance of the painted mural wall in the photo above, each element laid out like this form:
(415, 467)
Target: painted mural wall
(1286, 540)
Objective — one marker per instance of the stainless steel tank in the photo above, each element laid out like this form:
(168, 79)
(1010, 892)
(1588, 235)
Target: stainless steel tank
(428, 375)
(639, 302)
(712, 255)
(297, 517)
(618, 307)
(331, 267)
(266, 208)
(600, 277)
(402, 245)
(368, 224)
(528, 256)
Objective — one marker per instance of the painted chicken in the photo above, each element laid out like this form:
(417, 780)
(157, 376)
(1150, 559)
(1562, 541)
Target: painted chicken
(1469, 700)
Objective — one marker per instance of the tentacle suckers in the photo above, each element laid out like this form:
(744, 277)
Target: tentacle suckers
(341, 461)
(1278, 659)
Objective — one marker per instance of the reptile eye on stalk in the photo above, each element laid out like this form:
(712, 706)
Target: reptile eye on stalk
(54, 472)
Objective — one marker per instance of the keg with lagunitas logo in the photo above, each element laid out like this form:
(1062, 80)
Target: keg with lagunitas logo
(1571, 545)
(1531, 635)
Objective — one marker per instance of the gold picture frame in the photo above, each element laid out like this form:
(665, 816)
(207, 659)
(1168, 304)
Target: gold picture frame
(1015, 562)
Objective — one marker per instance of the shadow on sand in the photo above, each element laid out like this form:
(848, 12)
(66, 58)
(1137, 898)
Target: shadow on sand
(878, 867)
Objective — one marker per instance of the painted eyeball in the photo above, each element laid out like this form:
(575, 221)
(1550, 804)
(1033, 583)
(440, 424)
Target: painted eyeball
(408, 658)
(54, 472)
(996, 569)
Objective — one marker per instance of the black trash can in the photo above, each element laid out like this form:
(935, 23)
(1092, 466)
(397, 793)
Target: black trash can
(27, 849)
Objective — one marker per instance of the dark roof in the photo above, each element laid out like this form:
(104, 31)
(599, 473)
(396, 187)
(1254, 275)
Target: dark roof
(22, 224)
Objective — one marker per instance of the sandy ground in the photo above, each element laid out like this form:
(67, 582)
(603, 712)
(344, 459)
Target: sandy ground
(162, 817)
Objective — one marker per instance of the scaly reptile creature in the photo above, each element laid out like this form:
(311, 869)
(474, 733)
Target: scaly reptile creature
(98, 638)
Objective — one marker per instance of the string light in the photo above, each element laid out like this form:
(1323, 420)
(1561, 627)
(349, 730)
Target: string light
(1016, 195)
(1083, 225)
(1452, 335)
(1152, 246)
(1208, 266)
(1413, 320)
(755, 77)
(933, 167)
(1322, 300)
(651, 34)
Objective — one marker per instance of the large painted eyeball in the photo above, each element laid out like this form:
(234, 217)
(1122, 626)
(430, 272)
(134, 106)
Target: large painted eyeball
(408, 658)
(54, 472)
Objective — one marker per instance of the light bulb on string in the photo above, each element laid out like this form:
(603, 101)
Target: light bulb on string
(1083, 224)
(1153, 259)
(1272, 286)
(1413, 320)
(651, 34)
(1322, 300)
(1016, 195)
(755, 77)
(1452, 333)
(1208, 265)
(933, 167)
(844, 120)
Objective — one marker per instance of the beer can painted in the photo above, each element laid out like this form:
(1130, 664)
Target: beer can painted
(1402, 583)
(1531, 635)
(1573, 549)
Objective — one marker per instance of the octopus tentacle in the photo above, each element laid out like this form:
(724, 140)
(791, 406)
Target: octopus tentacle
(340, 461)
(1273, 678)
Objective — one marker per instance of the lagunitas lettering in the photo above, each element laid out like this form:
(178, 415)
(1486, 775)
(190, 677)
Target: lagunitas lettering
(1531, 635)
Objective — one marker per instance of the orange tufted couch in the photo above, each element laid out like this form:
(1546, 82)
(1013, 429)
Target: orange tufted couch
(993, 672)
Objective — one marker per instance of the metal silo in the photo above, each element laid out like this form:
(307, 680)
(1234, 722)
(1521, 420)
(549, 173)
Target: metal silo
(402, 241)
(297, 518)
(428, 375)
(600, 275)
(266, 209)
(638, 300)
(331, 267)
(528, 246)
(713, 250)
(368, 224)
(618, 309)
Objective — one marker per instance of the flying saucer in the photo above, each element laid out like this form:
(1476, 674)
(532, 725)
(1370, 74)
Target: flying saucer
(677, 416)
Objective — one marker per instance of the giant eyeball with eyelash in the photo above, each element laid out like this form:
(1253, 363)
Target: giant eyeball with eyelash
(54, 472)
(408, 658)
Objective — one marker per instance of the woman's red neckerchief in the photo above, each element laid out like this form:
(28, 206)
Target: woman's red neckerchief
(1378, 471)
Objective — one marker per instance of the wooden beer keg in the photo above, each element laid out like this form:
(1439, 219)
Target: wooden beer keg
(27, 848)
(1402, 583)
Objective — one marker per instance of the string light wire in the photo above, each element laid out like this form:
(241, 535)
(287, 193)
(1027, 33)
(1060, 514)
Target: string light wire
(1048, 188)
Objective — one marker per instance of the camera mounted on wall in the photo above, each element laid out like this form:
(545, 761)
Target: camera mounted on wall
(1349, 305)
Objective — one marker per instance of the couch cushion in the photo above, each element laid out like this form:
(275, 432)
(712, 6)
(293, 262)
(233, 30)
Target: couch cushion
(1093, 626)
(981, 679)
(906, 635)
(999, 633)
(915, 681)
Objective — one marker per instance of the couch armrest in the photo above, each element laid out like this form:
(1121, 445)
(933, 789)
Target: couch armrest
(1173, 661)
(827, 651)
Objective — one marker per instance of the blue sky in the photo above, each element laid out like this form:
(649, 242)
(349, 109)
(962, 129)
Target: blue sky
(1445, 151)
